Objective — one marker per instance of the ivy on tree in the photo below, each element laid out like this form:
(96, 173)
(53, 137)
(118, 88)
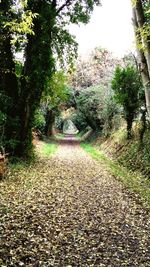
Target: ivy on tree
(126, 85)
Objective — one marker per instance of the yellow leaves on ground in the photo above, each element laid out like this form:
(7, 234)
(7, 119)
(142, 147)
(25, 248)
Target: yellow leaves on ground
(67, 211)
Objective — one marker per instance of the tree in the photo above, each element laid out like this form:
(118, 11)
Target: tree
(91, 81)
(126, 85)
(47, 39)
(98, 68)
(50, 34)
(8, 81)
(141, 22)
(94, 108)
(55, 94)
(13, 23)
(88, 105)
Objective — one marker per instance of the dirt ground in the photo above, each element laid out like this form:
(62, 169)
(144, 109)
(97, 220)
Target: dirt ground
(67, 211)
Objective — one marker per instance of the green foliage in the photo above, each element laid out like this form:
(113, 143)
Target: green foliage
(18, 21)
(39, 120)
(126, 85)
(71, 98)
(2, 118)
(43, 27)
(63, 42)
(88, 104)
(56, 90)
(22, 25)
(95, 108)
(55, 93)
(59, 122)
(79, 120)
(109, 113)
(18, 68)
(136, 157)
(65, 47)
(143, 33)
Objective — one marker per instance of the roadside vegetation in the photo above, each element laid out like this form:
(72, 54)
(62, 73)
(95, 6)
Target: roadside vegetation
(133, 181)
(47, 149)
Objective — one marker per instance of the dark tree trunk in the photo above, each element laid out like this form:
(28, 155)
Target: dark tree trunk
(129, 120)
(8, 84)
(38, 66)
(142, 62)
(50, 118)
(143, 128)
(141, 22)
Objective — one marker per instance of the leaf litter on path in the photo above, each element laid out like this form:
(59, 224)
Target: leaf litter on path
(67, 211)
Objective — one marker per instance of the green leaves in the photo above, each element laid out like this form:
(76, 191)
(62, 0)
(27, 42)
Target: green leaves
(127, 85)
(56, 89)
(24, 26)
(39, 29)
(65, 46)
(142, 10)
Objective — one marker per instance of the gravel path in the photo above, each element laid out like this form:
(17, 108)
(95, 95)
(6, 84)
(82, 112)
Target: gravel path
(67, 211)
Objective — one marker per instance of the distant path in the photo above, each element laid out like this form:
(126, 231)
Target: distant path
(74, 215)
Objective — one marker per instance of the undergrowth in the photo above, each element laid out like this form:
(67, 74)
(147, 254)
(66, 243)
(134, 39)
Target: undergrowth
(129, 153)
(43, 149)
(137, 157)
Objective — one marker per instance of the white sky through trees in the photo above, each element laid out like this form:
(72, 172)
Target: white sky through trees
(110, 27)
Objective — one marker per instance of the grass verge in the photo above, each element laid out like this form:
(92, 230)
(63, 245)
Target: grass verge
(133, 181)
(59, 135)
(47, 149)
(44, 150)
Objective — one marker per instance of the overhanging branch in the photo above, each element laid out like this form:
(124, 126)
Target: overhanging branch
(67, 3)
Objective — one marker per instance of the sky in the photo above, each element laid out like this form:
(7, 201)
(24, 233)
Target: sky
(110, 27)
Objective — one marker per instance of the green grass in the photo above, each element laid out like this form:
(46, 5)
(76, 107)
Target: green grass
(47, 149)
(59, 135)
(133, 181)
(79, 135)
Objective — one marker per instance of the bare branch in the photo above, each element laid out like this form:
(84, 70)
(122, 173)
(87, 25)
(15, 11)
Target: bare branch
(67, 3)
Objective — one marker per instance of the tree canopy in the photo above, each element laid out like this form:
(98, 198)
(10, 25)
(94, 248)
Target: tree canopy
(41, 26)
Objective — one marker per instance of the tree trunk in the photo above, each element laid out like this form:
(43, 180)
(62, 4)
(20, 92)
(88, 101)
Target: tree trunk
(25, 134)
(139, 12)
(50, 118)
(142, 62)
(129, 129)
(8, 84)
(38, 66)
(143, 126)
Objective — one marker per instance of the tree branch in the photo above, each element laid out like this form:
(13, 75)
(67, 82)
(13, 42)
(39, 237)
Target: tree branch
(67, 3)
